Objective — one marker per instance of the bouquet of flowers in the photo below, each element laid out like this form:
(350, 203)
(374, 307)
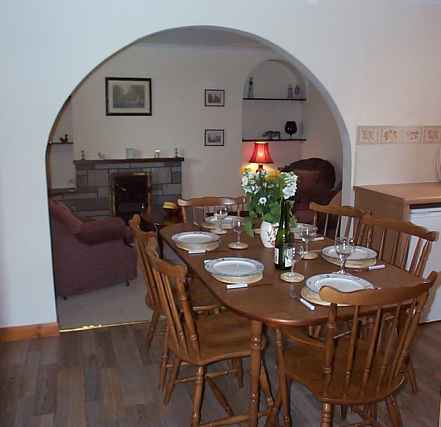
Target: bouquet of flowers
(264, 192)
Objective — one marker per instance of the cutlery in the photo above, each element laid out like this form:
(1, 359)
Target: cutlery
(307, 304)
(245, 285)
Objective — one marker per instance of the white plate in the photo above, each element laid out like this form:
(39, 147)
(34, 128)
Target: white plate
(195, 238)
(233, 266)
(341, 282)
(226, 223)
(360, 253)
(297, 229)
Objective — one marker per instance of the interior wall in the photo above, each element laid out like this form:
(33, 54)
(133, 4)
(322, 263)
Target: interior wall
(373, 64)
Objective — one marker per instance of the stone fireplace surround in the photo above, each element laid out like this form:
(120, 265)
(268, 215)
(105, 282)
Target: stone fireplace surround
(92, 196)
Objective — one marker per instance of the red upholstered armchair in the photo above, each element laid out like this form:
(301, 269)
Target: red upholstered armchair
(89, 255)
(316, 183)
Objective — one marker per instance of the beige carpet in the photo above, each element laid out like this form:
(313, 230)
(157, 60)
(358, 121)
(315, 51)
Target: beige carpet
(116, 304)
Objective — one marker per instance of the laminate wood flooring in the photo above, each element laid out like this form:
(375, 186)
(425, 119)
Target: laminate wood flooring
(104, 378)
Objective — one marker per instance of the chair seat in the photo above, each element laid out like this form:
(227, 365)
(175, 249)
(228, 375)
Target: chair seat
(221, 336)
(305, 365)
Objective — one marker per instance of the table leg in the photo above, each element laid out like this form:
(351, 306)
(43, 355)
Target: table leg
(256, 355)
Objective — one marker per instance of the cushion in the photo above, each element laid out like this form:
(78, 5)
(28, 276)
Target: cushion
(64, 215)
(104, 230)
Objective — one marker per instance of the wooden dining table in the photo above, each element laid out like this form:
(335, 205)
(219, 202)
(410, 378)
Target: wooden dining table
(271, 301)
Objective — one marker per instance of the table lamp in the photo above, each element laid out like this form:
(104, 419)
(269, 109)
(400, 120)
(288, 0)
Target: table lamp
(261, 155)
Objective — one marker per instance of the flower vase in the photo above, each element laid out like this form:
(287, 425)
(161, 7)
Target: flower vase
(268, 233)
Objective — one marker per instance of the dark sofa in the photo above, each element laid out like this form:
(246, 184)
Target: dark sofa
(89, 255)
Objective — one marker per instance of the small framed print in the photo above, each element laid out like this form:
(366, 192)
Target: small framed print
(214, 97)
(214, 137)
(127, 96)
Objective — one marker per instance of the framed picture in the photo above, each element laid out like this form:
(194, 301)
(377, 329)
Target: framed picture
(214, 98)
(128, 96)
(214, 137)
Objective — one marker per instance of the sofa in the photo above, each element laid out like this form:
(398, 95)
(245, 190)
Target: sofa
(316, 183)
(89, 255)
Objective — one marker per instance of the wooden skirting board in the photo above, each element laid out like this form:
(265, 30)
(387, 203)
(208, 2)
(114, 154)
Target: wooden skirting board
(17, 333)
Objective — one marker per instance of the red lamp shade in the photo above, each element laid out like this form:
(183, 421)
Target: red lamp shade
(261, 153)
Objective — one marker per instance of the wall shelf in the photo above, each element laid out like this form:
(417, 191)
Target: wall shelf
(273, 140)
(61, 143)
(275, 99)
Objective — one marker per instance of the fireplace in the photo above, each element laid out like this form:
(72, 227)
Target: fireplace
(131, 194)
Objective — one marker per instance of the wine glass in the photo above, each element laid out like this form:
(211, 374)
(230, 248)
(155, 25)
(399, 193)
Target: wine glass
(308, 232)
(237, 228)
(221, 213)
(295, 252)
(344, 248)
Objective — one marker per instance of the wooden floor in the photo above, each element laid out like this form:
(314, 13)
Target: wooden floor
(104, 378)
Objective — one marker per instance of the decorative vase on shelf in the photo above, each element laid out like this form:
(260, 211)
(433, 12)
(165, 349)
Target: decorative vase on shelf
(290, 92)
(290, 127)
(297, 91)
(268, 233)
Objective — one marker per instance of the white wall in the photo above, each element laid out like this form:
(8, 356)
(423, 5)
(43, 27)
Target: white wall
(378, 61)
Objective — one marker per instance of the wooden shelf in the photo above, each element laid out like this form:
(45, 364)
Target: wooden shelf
(275, 99)
(273, 140)
(61, 143)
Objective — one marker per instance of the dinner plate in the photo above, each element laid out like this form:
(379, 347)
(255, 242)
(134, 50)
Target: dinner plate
(297, 229)
(360, 257)
(227, 223)
(341, 282)
(196, 240)
(242, 279)
(233, 267)
(315, 298)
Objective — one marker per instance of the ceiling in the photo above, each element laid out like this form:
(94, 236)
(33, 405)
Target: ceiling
(203, 36)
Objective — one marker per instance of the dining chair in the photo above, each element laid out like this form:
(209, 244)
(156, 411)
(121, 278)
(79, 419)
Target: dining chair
(345, 218)
(196, 209)
(202, 299)
(400, 243)
(351, 368)
(201, 342)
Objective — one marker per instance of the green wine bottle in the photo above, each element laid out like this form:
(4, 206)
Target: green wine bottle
(282, 253)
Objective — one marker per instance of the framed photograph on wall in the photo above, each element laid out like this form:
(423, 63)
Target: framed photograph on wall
(214, 97)
(126, 96)
(214, 137)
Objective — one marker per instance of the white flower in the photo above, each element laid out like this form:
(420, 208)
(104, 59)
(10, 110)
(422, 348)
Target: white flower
(244, 181)
(262, 200)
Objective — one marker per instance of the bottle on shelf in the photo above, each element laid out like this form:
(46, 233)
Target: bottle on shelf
(282, 251)
(250, 93)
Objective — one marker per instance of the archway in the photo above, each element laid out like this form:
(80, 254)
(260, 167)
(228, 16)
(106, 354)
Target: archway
(228, 35)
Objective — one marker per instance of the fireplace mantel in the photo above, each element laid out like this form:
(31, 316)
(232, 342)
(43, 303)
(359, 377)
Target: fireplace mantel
(144, 160)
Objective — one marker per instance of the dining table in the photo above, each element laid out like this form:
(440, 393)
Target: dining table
(271, 301)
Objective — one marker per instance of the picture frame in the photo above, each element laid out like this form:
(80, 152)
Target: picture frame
(214, 97)
(214, 138)
(128, 96)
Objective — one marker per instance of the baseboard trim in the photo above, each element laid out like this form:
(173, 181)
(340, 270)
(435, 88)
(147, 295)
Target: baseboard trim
(27, 332)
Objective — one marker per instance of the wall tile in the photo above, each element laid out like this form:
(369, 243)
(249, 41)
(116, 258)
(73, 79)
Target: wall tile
(389, 135)
(432, 135)
(411, 135)
(368, 135)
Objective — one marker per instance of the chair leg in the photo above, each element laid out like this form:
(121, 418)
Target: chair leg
(411, 376)
(164, 361)
(237, 364)
(264, 383)
(151, 329)
(283, 384)
(172, 380)
(197, 397)
(220, 396)
(326, 415)
(394, 412)
(272, 416)
(343, 412)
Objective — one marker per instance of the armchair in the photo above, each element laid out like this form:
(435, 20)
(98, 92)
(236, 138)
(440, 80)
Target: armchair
(89, 255)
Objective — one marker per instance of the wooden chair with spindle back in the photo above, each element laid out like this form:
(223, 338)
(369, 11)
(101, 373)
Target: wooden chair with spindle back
(196, 209)
(202, 299)
(350, 368)
(347, 219)
(392, 239)
(201, 341)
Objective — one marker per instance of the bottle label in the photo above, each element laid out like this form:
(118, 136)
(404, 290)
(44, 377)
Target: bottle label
(287, 257)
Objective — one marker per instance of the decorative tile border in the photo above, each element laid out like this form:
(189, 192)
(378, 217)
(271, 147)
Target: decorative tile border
(399, 135)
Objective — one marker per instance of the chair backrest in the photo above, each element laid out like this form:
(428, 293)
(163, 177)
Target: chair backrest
(196, 209)
(176, 305)
(347, 219)
(145, 240)
(365, 363)
(401, 243)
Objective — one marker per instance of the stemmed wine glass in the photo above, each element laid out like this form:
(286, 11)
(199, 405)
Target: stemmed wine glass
(308, 232)
(344, 248)
(237, 228)
(221, 213)
(296, 252)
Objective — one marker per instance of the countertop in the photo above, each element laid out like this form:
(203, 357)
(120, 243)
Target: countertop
(411, 193)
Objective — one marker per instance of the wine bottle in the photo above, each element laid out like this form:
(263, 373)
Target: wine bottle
(282, 253)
